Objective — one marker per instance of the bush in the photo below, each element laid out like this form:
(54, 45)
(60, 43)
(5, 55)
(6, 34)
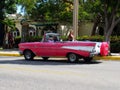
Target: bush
(115, 47)
(115, 44)
(29, 39)
(33, 39)
(91, 38)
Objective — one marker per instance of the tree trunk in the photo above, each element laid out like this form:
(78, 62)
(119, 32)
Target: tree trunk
(107, 39)
(5, 45)
(94, 28)
(107, 36)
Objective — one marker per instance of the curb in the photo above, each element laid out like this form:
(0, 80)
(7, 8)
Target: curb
(107, 58)
(9, 54)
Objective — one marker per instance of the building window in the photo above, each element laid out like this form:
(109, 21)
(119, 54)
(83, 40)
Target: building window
(32, 33)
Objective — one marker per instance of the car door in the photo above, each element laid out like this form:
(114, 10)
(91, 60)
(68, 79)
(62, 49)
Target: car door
(46, 49)
(59, 51)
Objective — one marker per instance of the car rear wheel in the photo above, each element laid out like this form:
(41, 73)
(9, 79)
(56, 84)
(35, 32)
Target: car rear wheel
(28, 55)
(72, 57)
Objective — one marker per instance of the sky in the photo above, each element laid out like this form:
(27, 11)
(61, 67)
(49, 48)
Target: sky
(19, 10)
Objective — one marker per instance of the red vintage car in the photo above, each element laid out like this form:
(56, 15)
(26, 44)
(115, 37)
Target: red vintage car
(52, 46)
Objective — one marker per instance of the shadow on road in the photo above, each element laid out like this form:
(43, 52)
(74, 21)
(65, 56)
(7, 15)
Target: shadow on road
(48, 62)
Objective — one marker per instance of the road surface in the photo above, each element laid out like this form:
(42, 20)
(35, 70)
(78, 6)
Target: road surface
(18, 74)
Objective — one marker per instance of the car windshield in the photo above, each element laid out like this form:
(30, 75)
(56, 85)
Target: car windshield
(51, 37)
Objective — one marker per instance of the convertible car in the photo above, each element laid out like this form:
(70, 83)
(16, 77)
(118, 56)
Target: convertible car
(52, 46)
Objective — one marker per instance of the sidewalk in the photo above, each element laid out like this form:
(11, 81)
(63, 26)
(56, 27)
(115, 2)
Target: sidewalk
(15, 52)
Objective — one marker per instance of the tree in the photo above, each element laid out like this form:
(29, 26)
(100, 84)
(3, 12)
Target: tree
(27, 5)
(52, 10)
(85, 10)
(111, 16)
(97, 12)
(7, 23)
(48, 10)
(107, 11)
(6, 6)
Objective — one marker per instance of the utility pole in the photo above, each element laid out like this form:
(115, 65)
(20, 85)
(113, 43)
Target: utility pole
(75, 18)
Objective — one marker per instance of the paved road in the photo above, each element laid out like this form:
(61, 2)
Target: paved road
(18, 74)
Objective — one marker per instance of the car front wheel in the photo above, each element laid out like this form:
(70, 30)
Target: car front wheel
(72, 57)
(28, 55)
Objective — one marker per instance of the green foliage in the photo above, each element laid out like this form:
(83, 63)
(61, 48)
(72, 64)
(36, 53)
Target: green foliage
(51, 10)
(115, 44)
(27, 4)
(9, 22)
(66, 16)
(86, 10)
(10, 6)
(59, 10)
(115, 38)
(7, 7)
(97, 38)
(64, 38)
(33, 39)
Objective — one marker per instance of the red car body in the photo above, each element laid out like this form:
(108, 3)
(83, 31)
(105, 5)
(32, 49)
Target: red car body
(71, 49)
